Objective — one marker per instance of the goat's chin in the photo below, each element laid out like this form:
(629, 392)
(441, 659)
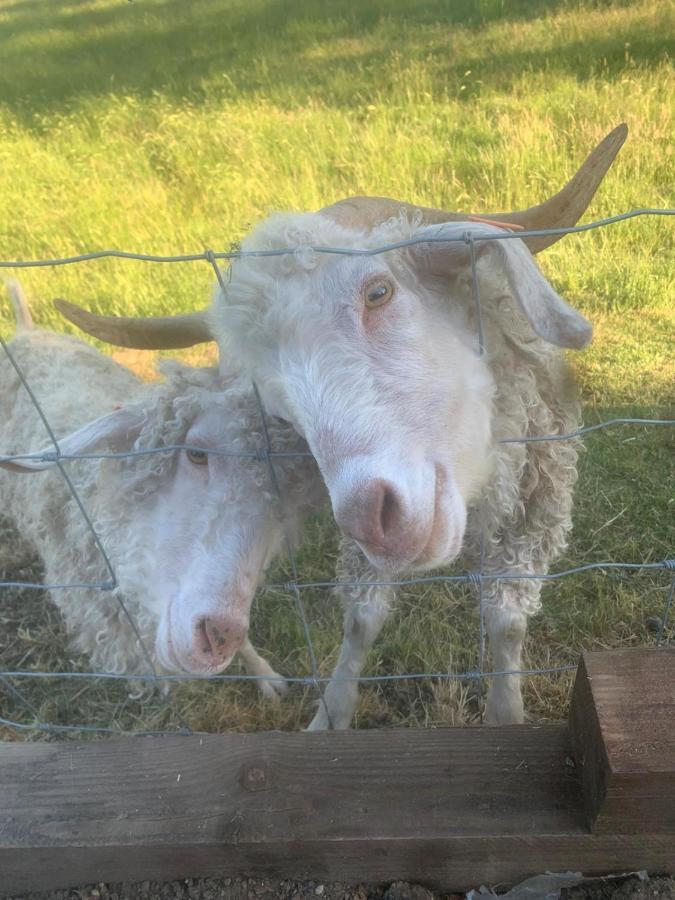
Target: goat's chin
(184, 664)
(199, 670)
(440, 553)
(167, 658)
(443, 548)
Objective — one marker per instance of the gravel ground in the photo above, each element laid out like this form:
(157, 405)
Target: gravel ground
(253, 889)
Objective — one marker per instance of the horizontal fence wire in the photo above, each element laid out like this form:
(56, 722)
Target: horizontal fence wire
(210, 255)
(665, 565)
(262, 455)
(267, 456)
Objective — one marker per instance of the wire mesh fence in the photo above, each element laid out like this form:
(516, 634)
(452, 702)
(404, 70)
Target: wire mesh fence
(269, 457)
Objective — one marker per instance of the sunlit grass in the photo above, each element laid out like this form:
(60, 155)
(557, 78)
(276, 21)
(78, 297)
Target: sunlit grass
(167, 127)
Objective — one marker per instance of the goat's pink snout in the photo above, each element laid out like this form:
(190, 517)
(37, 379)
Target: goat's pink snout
(398, 527)
(375, 517)
(200, 639)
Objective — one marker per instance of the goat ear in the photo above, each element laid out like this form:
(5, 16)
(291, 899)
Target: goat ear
(549, 315)
(119, 428)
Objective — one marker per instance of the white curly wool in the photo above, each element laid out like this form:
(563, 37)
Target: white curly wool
(189, 543)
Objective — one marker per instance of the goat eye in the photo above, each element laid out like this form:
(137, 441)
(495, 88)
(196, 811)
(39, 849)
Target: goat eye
(377, 293)
(198, 457)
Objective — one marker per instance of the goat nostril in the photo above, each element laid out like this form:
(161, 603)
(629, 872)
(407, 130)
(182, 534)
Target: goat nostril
(203, 634)
(210, 636)
(389, 510)
(374, 515)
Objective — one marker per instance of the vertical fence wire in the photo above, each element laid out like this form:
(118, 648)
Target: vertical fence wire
(479, 583)
(670, 563)
(266, 458)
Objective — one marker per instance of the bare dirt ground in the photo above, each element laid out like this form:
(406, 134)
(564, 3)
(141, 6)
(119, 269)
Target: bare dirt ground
(656, 888)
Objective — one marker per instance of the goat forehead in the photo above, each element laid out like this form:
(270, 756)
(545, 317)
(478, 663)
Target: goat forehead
(316, 331)
(299, 315)
(230, 420)
(253, 280)
(284, 230)
(216, 424)
(230, 511)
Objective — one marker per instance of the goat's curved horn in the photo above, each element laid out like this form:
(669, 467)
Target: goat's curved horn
(563, 210)
(161, 333)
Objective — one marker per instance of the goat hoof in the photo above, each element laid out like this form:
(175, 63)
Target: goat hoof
(273, 689)
(504, 717)
(337, 722)
(319, 722)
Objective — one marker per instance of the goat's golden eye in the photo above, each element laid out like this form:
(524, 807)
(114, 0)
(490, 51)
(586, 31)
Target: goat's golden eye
(377, 293)
(198, 457)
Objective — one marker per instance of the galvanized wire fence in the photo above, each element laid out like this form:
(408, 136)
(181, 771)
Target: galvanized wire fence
(268, 457)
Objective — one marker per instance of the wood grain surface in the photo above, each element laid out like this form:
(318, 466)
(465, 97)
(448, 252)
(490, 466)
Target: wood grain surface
(451, 808)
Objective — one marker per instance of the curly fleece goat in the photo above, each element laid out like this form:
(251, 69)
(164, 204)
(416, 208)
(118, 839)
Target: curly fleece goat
(189, 534)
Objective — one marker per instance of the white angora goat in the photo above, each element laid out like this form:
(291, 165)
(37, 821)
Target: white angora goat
(189, 533)
(375, 359)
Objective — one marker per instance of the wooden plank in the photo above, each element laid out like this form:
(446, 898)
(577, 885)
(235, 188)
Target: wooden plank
(590, 754)
(275, 786)
(327, 804)
(447, 864)
(449, 807)
(622, 720)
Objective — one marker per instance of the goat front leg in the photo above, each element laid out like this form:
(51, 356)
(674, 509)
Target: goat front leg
(366, 611)
(506, 625)
(362, 624)
(270, 684)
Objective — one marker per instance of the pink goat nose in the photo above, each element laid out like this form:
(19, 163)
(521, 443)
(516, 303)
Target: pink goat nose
(218, 638)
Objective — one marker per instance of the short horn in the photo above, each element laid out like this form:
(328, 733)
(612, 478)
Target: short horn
(563, 210)
(161, 333)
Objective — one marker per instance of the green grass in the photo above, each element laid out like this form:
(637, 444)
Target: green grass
(169, 127)
(164, 126)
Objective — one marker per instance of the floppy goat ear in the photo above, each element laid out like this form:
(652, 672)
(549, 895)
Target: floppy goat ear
(549, 315)
(120, 426)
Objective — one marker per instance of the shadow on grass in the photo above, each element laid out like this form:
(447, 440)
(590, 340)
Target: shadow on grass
(57, 55)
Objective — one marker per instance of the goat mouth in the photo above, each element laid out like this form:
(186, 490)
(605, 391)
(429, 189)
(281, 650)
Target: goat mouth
(204, 671)
(165, 651)
(196, 669)
(439, 525)
(447, 530)
(173, 660)
(184, 658)
(440, 547)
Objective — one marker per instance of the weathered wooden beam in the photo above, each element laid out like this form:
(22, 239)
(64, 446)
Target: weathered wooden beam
(622, 720)
(448, 807)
